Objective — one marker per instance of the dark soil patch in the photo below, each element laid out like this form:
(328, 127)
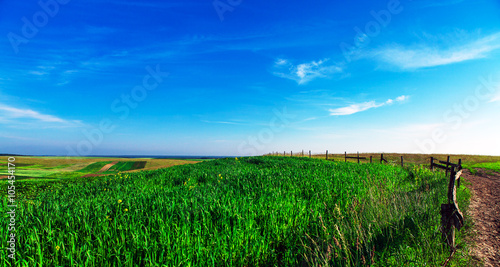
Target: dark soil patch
(485, 210)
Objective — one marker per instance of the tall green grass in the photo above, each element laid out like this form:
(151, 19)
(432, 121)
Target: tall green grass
(259, 211)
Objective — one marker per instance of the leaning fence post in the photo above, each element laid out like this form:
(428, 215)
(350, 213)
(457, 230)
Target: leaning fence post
(381, 157)
(326, 154)
(451, 216)
(402, 164)
(345, 156)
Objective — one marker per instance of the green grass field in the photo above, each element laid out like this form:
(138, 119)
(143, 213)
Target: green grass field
(258, 211)
(47, 168)
(492, 166)
(126, 166)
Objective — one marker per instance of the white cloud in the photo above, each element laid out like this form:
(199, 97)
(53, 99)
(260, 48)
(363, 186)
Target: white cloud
(10, 115)
(281, 61)
(222, 122)
(38, 73)
(305, 72)
(495, 98)
(58, 71)
(28, 113)
(402, 98)
(355, 108)
(430, 55)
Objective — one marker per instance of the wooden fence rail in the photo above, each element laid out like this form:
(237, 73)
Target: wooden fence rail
(451, 216)
(357, 157)
(447, 166)
(382, 159)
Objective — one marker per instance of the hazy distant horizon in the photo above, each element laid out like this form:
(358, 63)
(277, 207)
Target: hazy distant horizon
(295, 153)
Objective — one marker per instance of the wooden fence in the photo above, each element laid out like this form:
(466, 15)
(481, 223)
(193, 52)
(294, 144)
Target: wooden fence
(382, 159)
(357, 157)
(451, 216)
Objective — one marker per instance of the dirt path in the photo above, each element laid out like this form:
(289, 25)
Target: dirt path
(107, 166)
(485, 210)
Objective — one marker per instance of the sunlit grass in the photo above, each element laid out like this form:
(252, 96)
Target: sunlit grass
(492, 166)
(260, 211)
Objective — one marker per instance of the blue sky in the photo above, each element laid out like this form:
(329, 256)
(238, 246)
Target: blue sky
(244, 77)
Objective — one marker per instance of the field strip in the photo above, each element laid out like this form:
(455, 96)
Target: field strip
(107, 166)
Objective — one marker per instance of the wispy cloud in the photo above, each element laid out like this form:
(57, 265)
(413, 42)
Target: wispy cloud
(430, 55)
(359, 107)
(304, 72)
(55, 71)
(495, 98)
(12, 115)
(223, 122)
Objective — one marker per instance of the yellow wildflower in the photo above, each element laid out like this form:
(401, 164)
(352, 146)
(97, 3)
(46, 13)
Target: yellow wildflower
(119, 201)
(58, 247)
(126, 209)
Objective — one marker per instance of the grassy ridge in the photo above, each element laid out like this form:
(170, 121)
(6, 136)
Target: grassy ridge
(257, 211)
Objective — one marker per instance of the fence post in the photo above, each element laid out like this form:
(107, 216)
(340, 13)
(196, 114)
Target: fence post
(345, 156)
(459, 168)
(291, 153)
(371, 159)
(451, 199)
(402, 164)
(327, 155)
(358, 157)
(309, 153)
(302, 152)
(451, 216)
(432, 163)
(447, 164)
(381, 158)
(284, 154)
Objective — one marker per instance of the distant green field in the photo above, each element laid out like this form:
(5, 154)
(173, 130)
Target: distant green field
(94, 167)
(126, 166)
(31, 172)
(493, 166)
(39, 171)
(257, 211)
(46, 168)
